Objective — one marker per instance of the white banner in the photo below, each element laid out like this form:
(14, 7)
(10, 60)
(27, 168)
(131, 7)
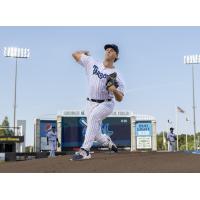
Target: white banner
(44, 145)
(144, 142)
(2, 156)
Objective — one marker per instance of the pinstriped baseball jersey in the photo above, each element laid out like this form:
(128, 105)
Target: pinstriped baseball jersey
(171, 137)
(52, 136)
(97, 78)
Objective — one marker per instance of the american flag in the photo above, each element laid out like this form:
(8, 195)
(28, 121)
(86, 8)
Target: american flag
(170, 122)
(180, 110)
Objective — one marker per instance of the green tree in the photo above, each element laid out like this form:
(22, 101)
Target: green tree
(161, 145)
(181, 141)
(29, 149)
(5, 130)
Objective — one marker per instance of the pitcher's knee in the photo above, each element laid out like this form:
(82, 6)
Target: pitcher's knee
(94, 119)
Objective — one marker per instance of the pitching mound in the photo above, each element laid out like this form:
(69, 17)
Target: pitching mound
(105, 162)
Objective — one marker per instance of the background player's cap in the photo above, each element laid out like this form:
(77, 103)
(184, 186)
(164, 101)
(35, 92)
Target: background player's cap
(171, 128)
(113, 46)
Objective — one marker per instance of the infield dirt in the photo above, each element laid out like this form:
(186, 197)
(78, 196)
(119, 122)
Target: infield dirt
(105, 162)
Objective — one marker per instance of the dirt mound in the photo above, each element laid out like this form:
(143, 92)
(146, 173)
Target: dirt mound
(121, 162)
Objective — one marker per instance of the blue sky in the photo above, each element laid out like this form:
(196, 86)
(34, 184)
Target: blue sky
(151, 63)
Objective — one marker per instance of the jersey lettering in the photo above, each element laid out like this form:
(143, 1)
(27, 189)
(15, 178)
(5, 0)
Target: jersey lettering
(98, 73)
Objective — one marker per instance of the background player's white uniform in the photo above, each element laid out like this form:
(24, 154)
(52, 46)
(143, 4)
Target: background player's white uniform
(96, 112)
(171, 137)
(52, 138)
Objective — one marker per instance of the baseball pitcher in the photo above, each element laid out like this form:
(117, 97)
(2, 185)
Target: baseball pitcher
(105, 87)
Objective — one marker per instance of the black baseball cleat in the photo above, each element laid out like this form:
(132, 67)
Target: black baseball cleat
(112, 146)
(81, 155)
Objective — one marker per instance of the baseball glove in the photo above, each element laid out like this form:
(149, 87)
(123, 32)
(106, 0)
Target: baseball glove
(112, 80)
(59, 144)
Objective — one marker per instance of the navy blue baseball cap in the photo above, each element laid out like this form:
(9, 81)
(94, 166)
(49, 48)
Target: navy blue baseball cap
(113, 46)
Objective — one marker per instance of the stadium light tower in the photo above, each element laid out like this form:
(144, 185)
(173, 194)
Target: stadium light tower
(16, 53)
(192, 60)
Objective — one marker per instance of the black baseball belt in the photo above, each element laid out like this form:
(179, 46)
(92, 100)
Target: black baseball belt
(98, 101)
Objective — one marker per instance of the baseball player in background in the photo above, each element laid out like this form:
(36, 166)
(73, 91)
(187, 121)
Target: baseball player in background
(171, 138)
(105, 86)
(52, 140)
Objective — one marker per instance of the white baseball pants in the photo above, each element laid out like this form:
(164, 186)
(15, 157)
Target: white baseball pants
(95, 113)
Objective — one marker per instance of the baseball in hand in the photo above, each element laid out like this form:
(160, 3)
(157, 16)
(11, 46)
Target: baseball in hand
(87, 53)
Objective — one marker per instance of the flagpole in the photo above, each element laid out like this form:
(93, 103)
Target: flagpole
(177, 129)
(167, 142)
(186, 141)
(167, 133)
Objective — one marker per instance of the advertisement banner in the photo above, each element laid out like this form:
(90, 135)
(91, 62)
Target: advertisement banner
(144, 142)
(43, 132)
(11, 139)
(2, 156)
(74, 129)
(43, 143)
(143, 129)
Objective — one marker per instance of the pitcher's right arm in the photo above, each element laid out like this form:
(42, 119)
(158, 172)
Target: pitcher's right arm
(77, 55)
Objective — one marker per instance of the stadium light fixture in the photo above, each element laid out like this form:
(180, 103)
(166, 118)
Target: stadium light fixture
(192, 60)
(16, 53)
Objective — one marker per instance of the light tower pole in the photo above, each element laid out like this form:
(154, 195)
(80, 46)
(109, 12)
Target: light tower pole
(191, 60)
(16, 53)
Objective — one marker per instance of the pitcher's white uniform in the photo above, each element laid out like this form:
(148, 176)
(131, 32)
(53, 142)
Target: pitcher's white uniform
(96, 112)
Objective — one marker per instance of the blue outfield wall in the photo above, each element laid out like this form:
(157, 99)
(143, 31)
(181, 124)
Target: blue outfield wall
(74, 128)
